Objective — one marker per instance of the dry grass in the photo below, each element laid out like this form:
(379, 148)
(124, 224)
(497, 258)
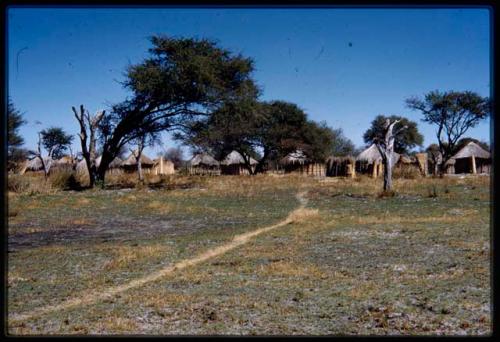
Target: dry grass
(125, 256)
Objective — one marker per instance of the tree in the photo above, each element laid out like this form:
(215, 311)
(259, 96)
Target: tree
(435, 156)
(342, 146)
(273, 128)
(15, 153)
(175, 155)
(386, 145)
(405, 139)
(56, 141)
(182, 80)
(88, 130)
(454, 113)
(318, 140)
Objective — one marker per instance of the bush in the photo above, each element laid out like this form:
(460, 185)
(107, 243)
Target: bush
(406, 172)
(29, 184)
(64, 180)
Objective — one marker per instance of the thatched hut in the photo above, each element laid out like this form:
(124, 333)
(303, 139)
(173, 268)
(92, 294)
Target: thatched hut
(203, 164)
(472, 158)
(130, 163)
(298, 162)
(341, 167)
(163, 166)
(411, 166)
(113, 168)
(34, 165)
(369, 161)
(234, 164)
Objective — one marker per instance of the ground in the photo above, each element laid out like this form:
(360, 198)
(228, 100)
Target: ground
(329, 256)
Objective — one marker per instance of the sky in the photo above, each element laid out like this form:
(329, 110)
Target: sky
(343, 66)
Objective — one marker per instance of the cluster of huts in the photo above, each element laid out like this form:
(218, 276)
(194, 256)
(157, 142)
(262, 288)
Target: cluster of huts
(470, 159)
(159, 166)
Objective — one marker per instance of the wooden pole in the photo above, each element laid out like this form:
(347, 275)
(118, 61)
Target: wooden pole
(474, 171)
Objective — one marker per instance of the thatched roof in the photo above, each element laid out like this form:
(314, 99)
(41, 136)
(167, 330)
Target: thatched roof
(406, 159)
(132, 159)
(340, 159)
(472, 149)
(372, 154)
(35, 164)
(82, 165)
(296, 157)
(65, 160)
(203, 159)
(235, 157)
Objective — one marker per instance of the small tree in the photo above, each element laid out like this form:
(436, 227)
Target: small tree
(175, 155)
(88, 135)
(56, 140)
(435, 156)
(453, 113)
(15, 153)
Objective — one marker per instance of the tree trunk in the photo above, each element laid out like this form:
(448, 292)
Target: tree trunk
(388, 171)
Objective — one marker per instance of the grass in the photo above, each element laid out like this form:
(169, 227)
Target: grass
(349, 262)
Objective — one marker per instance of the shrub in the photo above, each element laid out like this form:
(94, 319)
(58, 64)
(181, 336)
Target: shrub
(406, 172)
(64, 180)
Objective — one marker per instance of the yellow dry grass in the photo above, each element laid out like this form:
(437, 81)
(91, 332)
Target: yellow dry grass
(123, 256)
(117, 324)
(292, 269)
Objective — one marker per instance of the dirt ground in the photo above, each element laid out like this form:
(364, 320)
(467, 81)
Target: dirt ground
(338, 259)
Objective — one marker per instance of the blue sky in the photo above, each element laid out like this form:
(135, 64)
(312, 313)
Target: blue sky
(344, 66)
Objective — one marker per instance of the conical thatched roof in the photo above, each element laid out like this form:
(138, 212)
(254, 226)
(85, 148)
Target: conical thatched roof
(132, 159)
(372, 154)
(296, 157)
(472, 149)
(203, 159)
(235, 157)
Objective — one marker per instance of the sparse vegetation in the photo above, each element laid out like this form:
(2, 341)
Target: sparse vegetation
(349, 262)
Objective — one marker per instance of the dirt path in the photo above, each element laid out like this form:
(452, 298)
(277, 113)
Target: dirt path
(102, 294)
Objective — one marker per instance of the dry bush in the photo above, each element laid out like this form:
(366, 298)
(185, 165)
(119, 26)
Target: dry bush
(30, 184)
(64, 180)
(406, 172)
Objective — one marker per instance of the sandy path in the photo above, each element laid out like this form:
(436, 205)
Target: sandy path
(99, 295)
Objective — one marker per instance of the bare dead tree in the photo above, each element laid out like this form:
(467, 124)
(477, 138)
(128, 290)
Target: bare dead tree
(386, 149)
(88, 128)
(140, 148)
(38, 154)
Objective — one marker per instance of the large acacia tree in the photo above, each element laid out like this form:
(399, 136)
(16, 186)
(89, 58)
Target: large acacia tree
(272, 129)
(182, 80)
(453, 113)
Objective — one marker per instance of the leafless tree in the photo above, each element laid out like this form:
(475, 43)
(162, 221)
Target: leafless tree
(38, 154)
(386, 149)
(88, 128)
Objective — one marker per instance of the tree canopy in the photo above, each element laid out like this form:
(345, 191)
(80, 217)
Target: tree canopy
(15, 120)
(453, 113)
(405, 139)
(182, 80)
(55, 139)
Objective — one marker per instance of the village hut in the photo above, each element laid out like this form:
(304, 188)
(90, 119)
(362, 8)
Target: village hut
(163, 166)
(114, 166)
(369, 161)
(234, 164)
(65, 163)
(472, 158)
(411, 166)
(34, 165)
(341, 167)
(298, 162)
(203, 164)
(130, 163)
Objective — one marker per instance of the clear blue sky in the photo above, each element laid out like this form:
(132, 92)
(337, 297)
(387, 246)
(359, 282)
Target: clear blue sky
(344, 66)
